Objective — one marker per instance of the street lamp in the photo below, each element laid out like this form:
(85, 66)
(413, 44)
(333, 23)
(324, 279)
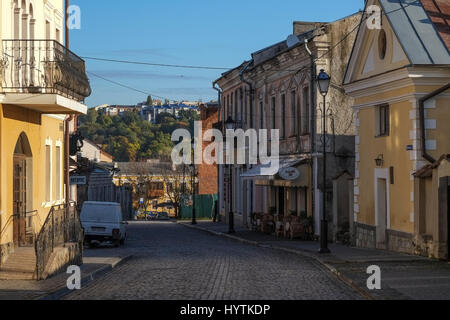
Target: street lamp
(323, 82)
(192, 166)
(229, 125)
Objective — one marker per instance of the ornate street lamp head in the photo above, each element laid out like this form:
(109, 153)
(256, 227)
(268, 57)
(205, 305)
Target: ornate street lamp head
(323, 82)
(229, 124)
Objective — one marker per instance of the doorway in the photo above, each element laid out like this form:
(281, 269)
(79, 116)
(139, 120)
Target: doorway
(19, 199)
(381, 213)
(281, 201)
(22, 173)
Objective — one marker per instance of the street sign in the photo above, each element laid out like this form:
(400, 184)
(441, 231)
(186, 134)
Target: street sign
(78, 180)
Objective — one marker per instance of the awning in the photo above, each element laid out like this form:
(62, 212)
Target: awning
(265, 175)
(266, 170)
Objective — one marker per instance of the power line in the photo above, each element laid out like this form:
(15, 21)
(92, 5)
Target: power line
(128, 87)
(222, 68)
(155, 64)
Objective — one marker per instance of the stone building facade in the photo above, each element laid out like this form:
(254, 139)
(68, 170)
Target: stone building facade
(276, 89)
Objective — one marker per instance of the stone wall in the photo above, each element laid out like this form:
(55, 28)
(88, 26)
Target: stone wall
(400, 241)
(364, 236)
(5, 250)
(62, 258)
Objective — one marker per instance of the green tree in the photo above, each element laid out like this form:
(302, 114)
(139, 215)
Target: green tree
(149, 101)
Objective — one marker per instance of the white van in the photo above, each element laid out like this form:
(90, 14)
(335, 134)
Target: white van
(103, 221)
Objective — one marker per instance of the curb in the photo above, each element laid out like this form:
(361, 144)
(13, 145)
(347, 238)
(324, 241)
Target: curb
(63, 291)
(330, 268)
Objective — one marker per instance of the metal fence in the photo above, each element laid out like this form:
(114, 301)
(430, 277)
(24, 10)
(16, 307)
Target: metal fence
(63, 225)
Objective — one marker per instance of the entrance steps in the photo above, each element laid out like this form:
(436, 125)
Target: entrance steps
(20, 265)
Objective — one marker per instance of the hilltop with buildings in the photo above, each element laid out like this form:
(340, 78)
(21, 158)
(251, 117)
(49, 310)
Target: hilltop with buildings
(137, 132)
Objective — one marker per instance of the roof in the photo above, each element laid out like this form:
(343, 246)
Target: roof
(421, 28)
(439, 13)
(427, 171)
(270, 170)
(140, 168)
(261, 56)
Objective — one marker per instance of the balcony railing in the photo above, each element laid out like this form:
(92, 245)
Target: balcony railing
(44, 67)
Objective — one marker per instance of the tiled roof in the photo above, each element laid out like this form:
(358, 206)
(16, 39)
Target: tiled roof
(439, 12)
(421, 27)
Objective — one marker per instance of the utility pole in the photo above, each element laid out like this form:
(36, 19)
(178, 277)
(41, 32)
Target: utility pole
(66, 8)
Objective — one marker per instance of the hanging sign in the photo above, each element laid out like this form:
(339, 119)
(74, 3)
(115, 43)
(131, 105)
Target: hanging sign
(289, 174)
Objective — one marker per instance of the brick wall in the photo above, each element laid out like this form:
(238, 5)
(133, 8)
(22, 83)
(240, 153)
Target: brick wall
(207, 174)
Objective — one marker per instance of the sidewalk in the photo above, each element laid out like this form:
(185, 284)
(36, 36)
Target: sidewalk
(403, 276)
(55, 287)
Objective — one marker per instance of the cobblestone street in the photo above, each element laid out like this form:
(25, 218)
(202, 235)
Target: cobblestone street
(173, 262)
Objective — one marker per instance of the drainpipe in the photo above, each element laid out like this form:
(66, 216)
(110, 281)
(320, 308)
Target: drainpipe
(68, 120)
(219, 100)
(422, 101)
(67, 156)
(241, 76)
(314, 172)
(66, 7)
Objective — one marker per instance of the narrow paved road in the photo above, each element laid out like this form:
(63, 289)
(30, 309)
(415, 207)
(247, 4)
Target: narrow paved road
(173, 262)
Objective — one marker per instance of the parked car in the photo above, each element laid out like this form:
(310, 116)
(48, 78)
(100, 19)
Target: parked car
(152, 216)
(103, 221)
(163, 216)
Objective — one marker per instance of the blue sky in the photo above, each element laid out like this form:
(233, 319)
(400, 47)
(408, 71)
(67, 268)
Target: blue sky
(196, 32)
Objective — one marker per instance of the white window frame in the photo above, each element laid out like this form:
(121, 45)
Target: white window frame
(60, 197)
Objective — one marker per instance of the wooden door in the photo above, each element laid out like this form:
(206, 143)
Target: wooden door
(19, 200)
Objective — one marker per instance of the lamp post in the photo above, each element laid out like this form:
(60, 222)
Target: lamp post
(229, 125)
(323, 82)
(194, 221)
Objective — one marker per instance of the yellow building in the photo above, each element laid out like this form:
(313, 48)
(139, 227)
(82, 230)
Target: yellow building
(156, 185)
(398, 75)
(41, 82)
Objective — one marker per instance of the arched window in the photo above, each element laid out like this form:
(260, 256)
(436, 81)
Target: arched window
(16, 14)
(25, 20)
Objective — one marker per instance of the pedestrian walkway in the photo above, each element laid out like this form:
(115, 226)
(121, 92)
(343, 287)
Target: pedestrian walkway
(403, 276)
(94, 266)
(339, 253)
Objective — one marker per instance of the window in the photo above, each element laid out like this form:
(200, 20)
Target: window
(48, 35)
(236, 107)
(261, 115)
(251, 115)
(305, 111)
(293, 113)
(58, 173)
(382, 44)
(241, 98)
(283, 116)
(58, 35)
(273, 114)
(48, 173)
(383, 121)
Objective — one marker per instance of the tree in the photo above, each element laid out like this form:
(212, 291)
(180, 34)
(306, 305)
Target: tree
(129, 138)
(176, 186)
(149, 101)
